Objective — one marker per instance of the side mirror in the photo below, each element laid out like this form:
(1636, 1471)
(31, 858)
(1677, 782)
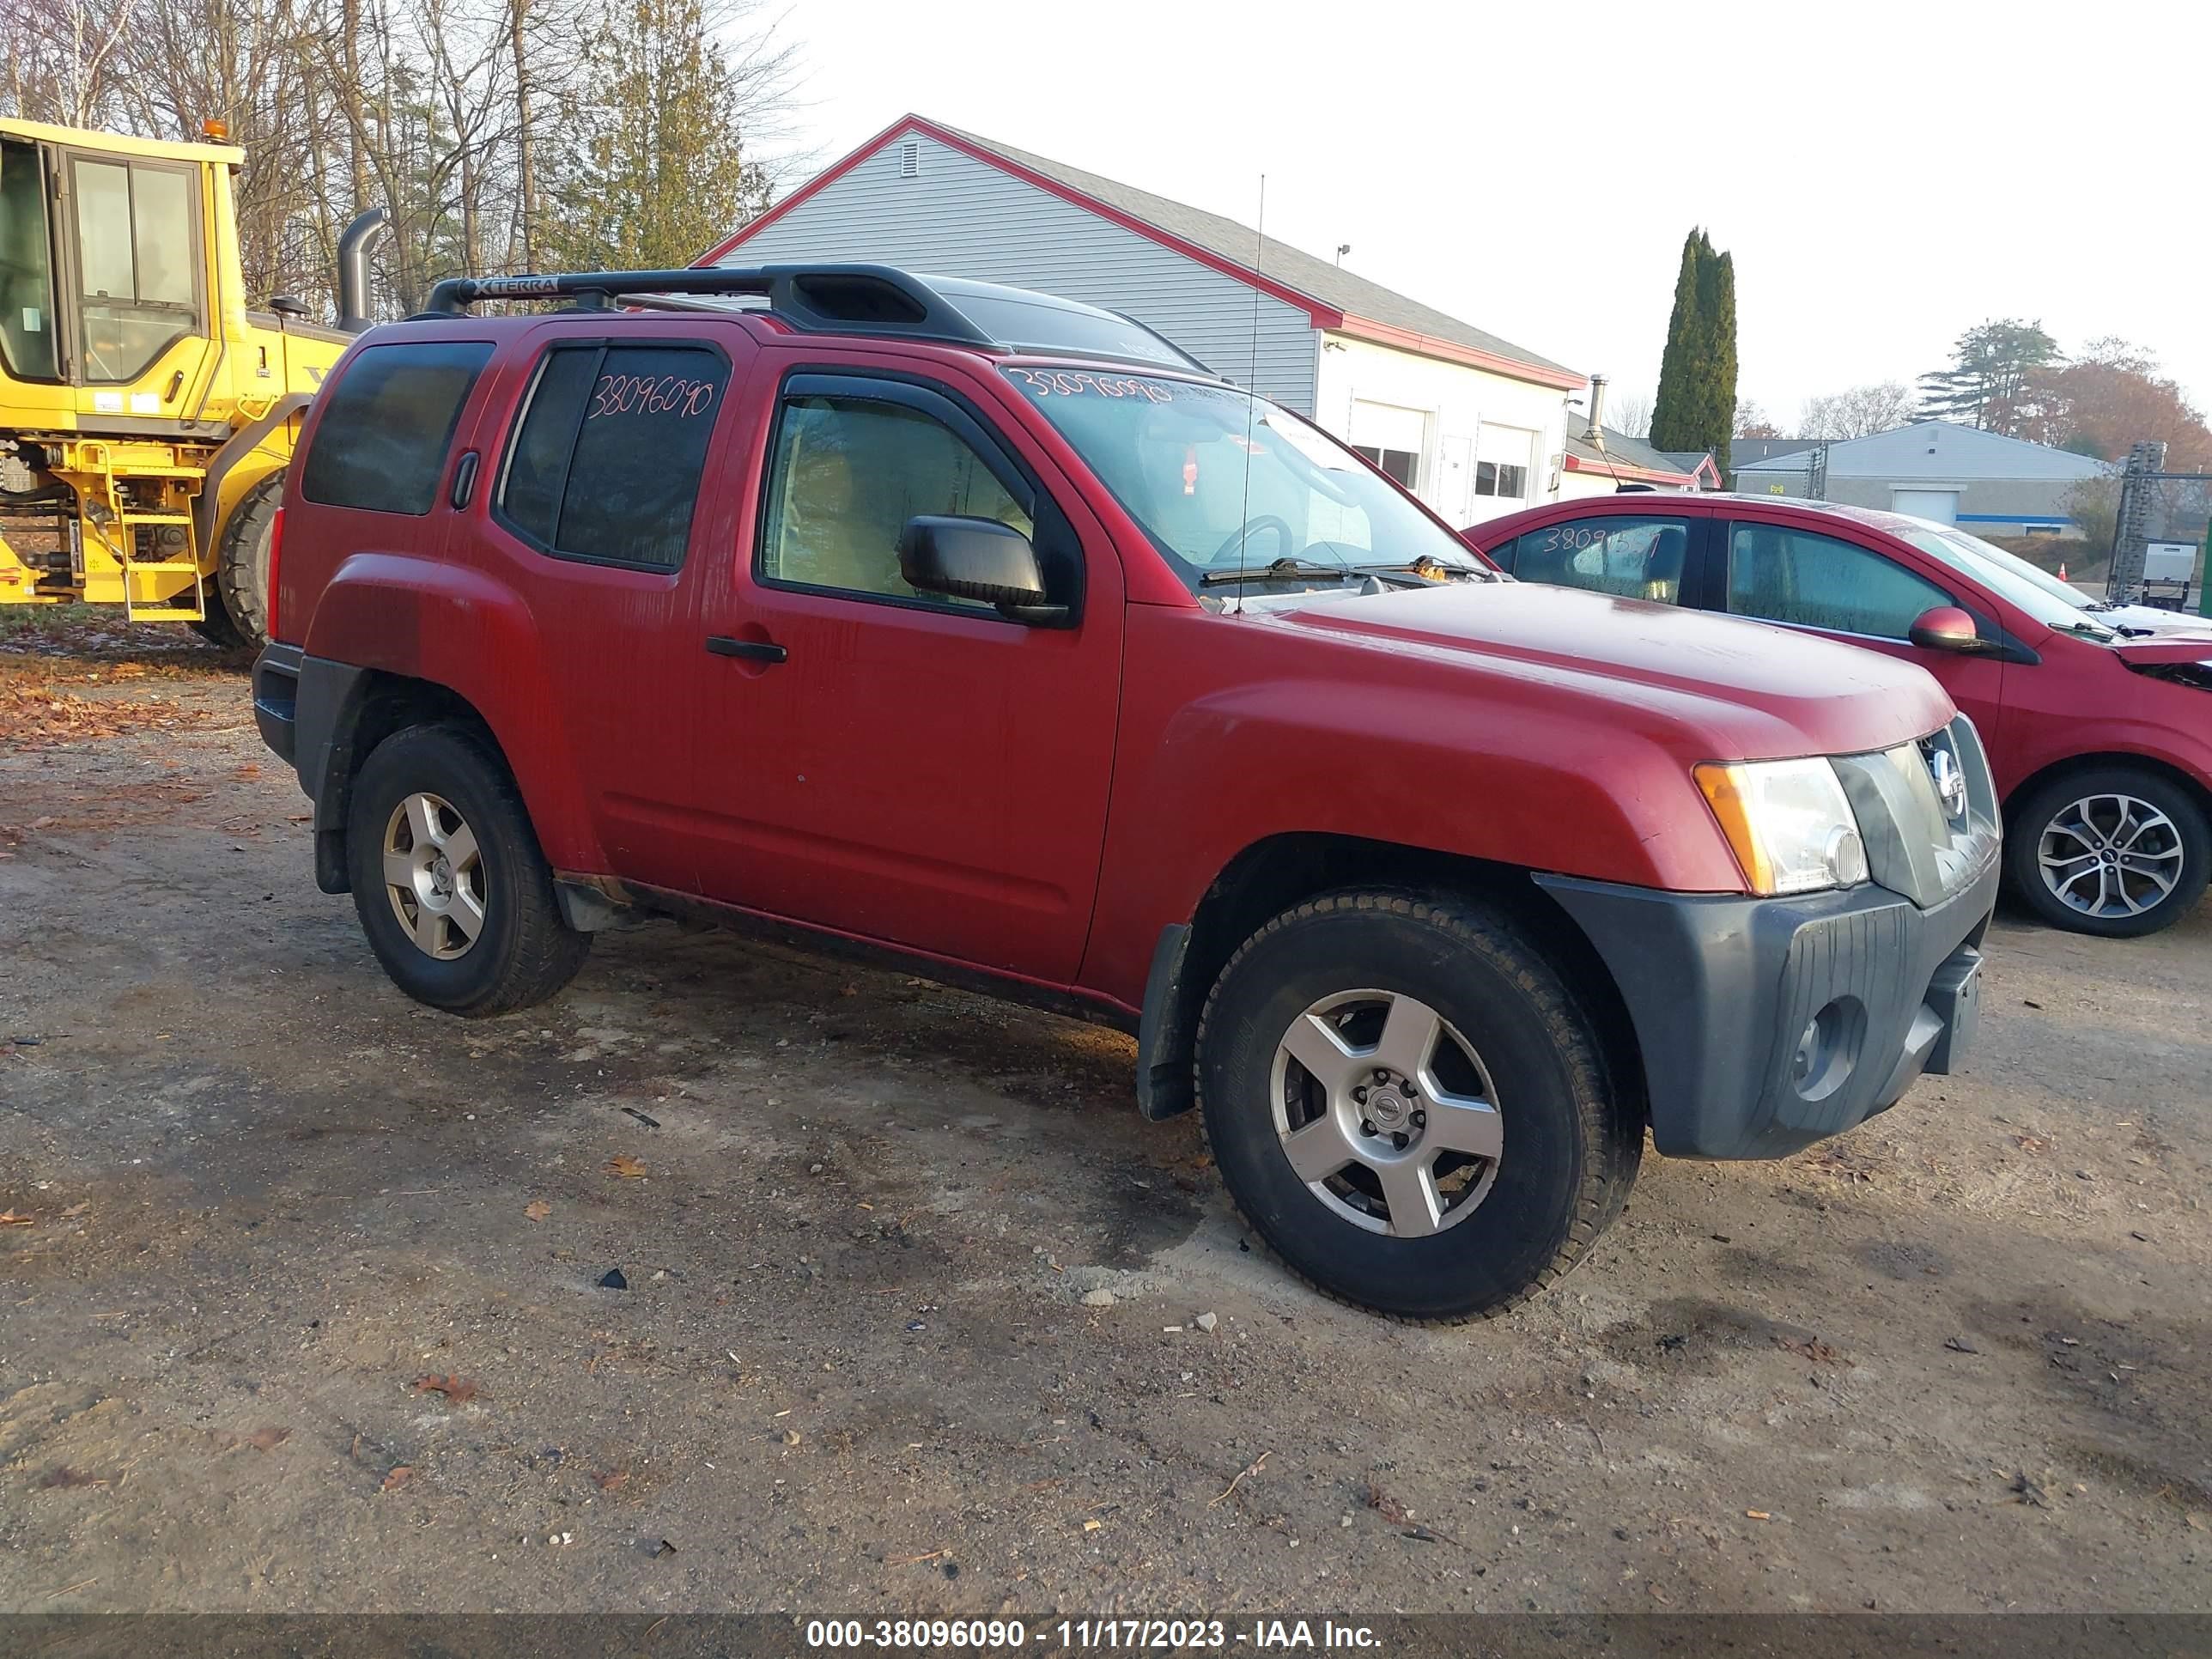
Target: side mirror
(1947, 627)
(965, 558)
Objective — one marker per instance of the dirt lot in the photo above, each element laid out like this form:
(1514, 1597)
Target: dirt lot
(1954, 1361)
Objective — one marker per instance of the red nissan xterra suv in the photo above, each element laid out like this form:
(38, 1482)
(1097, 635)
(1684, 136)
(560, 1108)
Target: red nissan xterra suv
(987, 632)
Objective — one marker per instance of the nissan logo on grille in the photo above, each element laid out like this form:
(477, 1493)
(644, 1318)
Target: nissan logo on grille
(1950, 781)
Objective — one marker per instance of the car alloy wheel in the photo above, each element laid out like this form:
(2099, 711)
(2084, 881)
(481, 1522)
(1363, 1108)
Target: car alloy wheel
(1386, 1113)
(433, 874)
(2110, 856)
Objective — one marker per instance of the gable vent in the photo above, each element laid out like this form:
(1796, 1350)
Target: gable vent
(910, 158)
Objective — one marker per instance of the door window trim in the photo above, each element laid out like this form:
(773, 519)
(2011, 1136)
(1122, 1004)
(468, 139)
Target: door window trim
(545, 350)
(1053, 535)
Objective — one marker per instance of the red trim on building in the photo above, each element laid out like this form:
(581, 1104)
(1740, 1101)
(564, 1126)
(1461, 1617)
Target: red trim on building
(1427, 345)
(1633, 474)
(1322, 315)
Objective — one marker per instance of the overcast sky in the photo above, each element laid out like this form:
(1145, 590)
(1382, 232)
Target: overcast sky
(1886, 175)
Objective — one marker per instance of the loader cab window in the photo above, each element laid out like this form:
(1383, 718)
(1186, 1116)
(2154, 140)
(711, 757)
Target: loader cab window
(27, 274)
(137, 253)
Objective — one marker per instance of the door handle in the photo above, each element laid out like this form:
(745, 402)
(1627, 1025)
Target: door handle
(752, 650)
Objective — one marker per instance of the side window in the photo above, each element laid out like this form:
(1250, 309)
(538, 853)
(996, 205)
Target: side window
(1817, 581)
(381, 445)
(848, 473)
(606, 460)
(1635, 558)
(138, 240)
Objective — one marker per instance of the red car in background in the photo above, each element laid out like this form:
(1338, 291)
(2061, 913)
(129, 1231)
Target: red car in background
(2098, 727)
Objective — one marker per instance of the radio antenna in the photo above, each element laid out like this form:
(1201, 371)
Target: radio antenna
(1251, 392)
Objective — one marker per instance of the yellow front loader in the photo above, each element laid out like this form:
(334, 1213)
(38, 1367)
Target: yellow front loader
(146, 415)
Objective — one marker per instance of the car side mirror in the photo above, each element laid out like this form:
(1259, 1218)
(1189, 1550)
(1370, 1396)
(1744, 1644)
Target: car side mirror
(965, 558)
(1947, 627)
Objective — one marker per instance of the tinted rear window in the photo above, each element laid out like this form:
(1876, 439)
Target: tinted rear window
(606, 462)
(382, 439)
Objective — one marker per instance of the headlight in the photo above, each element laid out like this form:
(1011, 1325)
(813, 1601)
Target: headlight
(1792, 829)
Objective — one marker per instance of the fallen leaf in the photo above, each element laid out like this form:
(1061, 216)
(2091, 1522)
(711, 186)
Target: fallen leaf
(400, 1476)
(457, 1388)
(612, 1480)
(77, 1210)
(10, 1218)
(538, 1209)
(2031, 1143)
(623, 1165)
(62, 1475)
(2030, 1492)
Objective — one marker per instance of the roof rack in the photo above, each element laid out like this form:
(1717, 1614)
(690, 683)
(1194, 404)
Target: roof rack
(827, 299)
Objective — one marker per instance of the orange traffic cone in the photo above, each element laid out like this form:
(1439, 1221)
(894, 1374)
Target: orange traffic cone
(2061, 570)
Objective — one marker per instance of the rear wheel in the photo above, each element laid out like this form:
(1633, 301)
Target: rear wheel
(2115, 851)
(452, 890)
(1409, 1107)
(242, 568)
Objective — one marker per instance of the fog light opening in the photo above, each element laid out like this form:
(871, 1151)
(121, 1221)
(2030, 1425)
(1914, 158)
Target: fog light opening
(1828, 1049)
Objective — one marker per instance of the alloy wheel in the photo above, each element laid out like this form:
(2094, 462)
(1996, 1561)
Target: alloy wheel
(2110, 856)
(433, 874)
(1386, 1113)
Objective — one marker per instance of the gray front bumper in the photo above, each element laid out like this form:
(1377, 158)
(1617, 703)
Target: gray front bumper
(1720, 989)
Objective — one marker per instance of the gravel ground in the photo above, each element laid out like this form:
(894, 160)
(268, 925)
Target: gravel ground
(920, 1316)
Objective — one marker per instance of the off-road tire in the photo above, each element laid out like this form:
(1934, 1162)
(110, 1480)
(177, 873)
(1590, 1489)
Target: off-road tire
(2034, 811)
(1571, 1140)
(241, 568)
(527, 951)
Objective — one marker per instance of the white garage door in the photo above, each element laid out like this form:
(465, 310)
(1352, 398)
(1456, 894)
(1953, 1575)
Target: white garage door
(1940, 505)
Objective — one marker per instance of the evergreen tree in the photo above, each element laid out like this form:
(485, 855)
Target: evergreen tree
(653, 169)
(1991, 368)
(1696, 405)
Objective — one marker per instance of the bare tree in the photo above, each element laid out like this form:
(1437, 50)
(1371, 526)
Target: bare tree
(1859, 412)
(1751, 421)
(1630, 414)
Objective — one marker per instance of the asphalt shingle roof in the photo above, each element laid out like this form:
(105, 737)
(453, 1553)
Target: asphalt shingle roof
(1624, 451)
(1332, 285)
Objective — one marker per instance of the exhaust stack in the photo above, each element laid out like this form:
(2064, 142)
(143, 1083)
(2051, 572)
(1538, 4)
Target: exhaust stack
(354, 247)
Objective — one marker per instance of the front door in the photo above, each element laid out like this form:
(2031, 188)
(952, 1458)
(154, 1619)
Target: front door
(1860, 596)
(893, 764)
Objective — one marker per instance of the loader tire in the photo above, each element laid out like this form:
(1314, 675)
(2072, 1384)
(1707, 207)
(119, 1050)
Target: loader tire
(242, 568)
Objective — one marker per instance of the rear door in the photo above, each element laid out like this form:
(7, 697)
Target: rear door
(893, 764)
(1861, 594)
(584, 489)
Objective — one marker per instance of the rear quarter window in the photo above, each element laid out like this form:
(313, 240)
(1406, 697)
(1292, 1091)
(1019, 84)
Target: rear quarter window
(386, 425)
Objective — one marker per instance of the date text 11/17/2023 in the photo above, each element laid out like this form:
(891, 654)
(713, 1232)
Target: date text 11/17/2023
(1162, 1635)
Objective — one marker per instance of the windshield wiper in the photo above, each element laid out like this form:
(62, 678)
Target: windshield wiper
(2089, 630)
(1285, 570)
(1416, 575)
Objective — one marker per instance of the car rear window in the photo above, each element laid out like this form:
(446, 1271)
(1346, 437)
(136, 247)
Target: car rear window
(381, 443)
(607, 460)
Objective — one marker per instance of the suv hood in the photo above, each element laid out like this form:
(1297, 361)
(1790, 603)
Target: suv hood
(1751, 690)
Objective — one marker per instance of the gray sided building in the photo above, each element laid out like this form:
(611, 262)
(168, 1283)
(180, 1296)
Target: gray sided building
(1980, 481)
(1472, 423)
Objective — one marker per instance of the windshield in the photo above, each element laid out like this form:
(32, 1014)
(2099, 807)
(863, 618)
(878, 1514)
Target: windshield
(1224, 480)
(26, 299)
(2039, 593)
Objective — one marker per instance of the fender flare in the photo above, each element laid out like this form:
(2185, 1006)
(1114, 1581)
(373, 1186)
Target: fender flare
(240, 444)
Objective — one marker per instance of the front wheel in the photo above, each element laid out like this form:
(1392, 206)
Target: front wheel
(452, 890)
(2116, 851)
(1409, 1107)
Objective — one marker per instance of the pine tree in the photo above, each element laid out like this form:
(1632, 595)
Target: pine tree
(1991, 368)
(1696, 406)
(652, 170)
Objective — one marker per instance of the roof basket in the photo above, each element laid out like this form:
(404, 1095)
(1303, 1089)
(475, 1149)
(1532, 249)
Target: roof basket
(831, 299)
